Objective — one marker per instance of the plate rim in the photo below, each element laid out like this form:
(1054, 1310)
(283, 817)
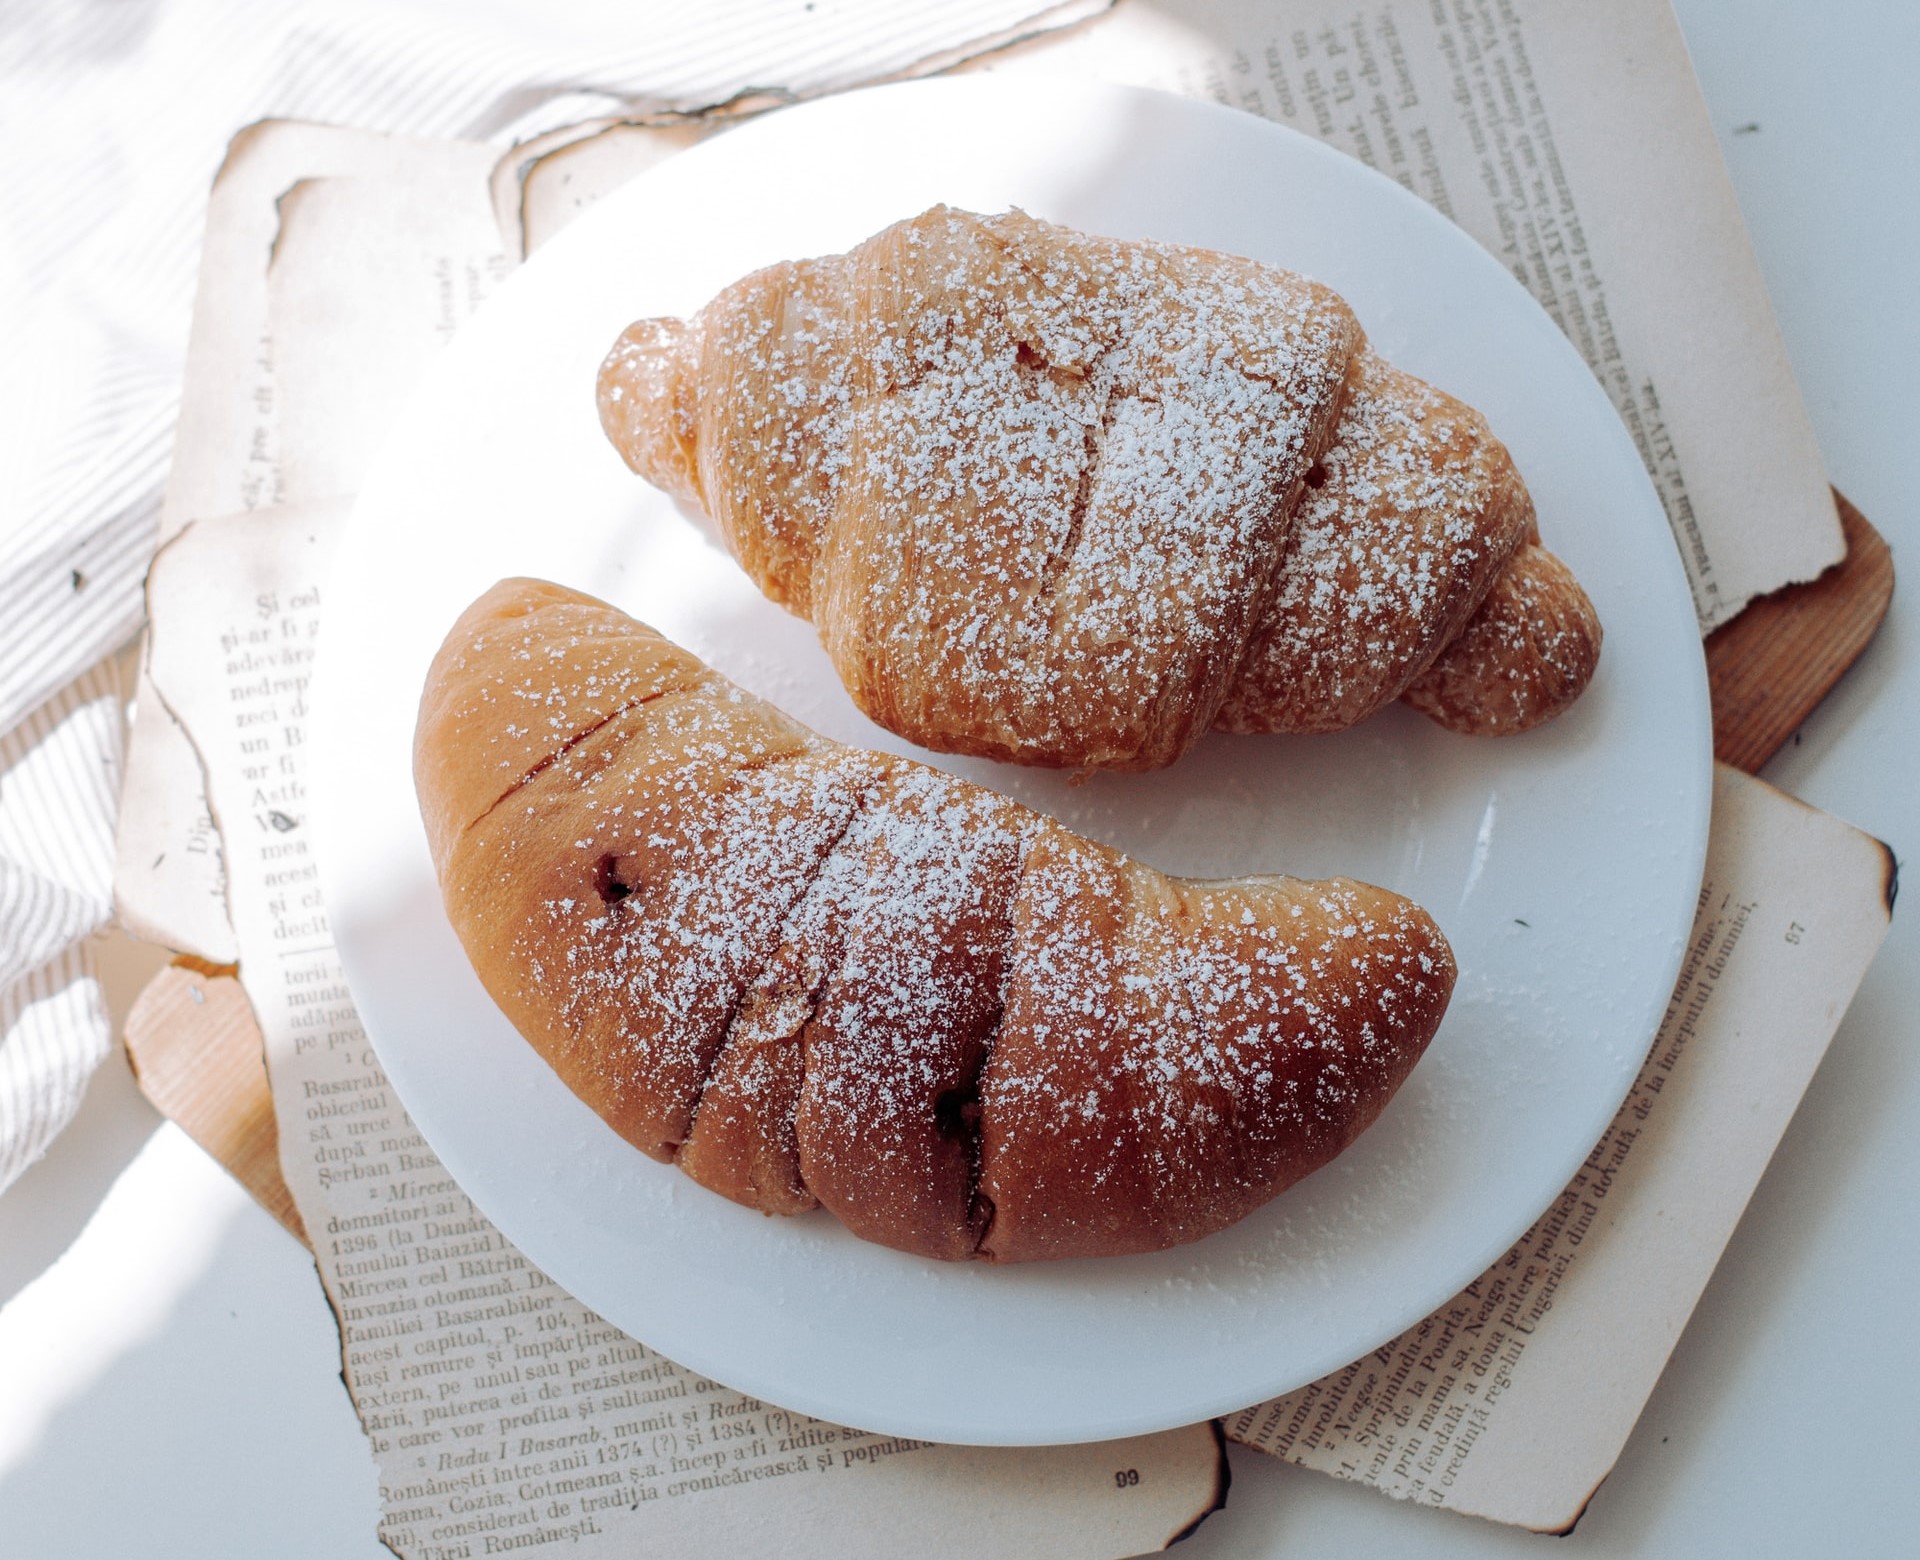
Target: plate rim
(330, 762)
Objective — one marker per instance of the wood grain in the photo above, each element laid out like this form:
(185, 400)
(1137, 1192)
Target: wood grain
(196, 1048)
(1769, 667)
(196, 1053)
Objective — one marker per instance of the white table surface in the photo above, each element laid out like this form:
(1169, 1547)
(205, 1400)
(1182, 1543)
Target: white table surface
(169, 1369)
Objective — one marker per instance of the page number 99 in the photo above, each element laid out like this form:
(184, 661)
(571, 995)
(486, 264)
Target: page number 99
(1126, 1478)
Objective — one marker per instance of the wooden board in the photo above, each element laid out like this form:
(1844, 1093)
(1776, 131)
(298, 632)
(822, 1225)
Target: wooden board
(1770, 666)
(196, 1049)
(197, 1055)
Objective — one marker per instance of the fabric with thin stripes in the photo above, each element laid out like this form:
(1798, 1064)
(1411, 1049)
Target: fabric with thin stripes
(59, 785)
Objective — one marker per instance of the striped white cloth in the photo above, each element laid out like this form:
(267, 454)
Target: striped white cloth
(114, 116)
(59, 783)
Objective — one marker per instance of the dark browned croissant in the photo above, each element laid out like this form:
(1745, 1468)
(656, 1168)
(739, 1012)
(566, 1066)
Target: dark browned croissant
(816, 975)
(1067, 500)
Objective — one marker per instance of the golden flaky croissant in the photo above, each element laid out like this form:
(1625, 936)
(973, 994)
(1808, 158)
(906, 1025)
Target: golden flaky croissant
(816, 975)
(1068, 500)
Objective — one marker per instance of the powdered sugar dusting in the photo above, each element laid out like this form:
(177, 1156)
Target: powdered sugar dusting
(1523, 658)
(1072, 459)
(1406, 521)
(1045, 476)
(1225, 1039)
(816, 972)
(1041, 492)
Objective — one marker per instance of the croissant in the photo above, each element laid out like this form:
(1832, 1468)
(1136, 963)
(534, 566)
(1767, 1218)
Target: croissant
(813, 975)
(1061, 499)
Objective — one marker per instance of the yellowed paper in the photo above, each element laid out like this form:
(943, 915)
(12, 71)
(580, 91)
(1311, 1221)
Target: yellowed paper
(1572, 141)
(169, 885)
(1514, 1400)
(369, 278)
(541, 186)
(227, 449)
(503, 1414)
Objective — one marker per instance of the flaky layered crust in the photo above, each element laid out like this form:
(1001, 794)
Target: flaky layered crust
(1061, 499)
(815, 975)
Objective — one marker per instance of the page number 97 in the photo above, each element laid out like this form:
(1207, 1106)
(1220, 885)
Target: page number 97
(1126, 1478)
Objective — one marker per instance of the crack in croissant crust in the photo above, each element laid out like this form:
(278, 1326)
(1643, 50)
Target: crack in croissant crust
(1061, 499)
(814, 975)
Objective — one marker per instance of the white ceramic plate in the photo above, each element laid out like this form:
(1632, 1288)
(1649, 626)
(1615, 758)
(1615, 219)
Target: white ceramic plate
(1563, 865)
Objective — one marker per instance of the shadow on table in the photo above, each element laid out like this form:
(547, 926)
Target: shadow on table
(222, 1432)
(1822, 1176)
(43, 1211)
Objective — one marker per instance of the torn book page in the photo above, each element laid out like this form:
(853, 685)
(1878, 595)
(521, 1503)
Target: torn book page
(169, 886)
(543, 184)
(370, 278)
